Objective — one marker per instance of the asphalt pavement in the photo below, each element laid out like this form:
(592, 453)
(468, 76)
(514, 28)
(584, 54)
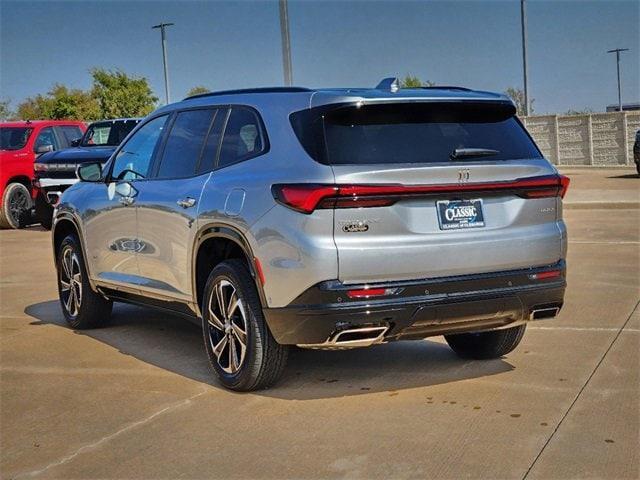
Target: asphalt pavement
(137, 399)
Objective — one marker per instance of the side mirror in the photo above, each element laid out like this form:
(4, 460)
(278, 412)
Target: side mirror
(90, 172)
(76, 142)
(44, 149)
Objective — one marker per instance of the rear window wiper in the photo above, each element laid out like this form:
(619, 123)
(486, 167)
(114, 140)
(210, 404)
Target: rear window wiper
(460, 153)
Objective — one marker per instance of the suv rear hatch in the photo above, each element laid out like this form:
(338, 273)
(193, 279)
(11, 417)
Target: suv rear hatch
(433, 189)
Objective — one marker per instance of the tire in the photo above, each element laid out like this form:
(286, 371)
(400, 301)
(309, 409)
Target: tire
(638, 168)
(82, 307)
(44, 212)
(16, 204)
(241, 350)
(486, 345)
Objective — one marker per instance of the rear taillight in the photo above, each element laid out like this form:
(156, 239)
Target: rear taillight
(564, 185)
(307, 197)
(543, 187)
(303, 197)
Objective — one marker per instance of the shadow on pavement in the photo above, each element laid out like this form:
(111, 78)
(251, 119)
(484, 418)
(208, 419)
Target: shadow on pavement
(174, 344)
(629, 175)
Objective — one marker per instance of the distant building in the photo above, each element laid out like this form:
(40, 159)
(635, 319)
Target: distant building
(626, 107)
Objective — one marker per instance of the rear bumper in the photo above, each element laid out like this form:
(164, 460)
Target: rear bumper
(422, 308)
(51, 189)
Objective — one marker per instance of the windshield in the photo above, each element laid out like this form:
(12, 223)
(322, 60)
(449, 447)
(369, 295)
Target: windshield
(107, 134)
(14, 138)
(414, 133)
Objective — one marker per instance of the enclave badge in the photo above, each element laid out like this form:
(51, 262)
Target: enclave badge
(355, 227)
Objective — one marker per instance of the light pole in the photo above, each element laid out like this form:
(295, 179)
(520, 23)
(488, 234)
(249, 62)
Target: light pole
(286, 43)
(162, 27)
(523, 22)
(617, 52)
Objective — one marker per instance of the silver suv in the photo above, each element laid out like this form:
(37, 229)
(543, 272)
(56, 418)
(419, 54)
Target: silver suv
(320, 218)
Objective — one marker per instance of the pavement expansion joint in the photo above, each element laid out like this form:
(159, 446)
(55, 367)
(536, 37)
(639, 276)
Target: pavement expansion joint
(604, 355)
(111, 436)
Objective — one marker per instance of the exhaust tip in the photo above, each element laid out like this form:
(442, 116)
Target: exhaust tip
(354, 337)
(542, 313)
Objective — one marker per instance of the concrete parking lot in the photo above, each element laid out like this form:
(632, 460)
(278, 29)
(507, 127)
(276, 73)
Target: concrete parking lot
(136, 400)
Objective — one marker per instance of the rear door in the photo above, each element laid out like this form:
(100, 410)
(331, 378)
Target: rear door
(425, 214)
(69, 133)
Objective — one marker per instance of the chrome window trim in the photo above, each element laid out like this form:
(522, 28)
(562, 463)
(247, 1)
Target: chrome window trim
(262, 131)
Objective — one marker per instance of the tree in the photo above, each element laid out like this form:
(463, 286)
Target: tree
(120, 95)
(197, 90)
(5, 110)
(410, 81)
(60, 103)
(32, 108)
(517, 96)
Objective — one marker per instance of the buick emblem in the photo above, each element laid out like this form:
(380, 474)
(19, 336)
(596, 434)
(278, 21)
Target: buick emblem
(463, 175)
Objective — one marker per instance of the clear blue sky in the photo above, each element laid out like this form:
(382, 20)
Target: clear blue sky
(237, 44)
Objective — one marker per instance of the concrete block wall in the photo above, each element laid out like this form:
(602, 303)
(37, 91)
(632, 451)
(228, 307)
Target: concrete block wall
(596, 139)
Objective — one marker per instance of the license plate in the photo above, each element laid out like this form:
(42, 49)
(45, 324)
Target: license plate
(458, 214)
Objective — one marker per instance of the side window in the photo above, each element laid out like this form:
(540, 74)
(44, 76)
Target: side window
(134, 158)
(207, 163)
(242, 137)
(184, 143)
(46, 137)
(99, 135)
(71, 133)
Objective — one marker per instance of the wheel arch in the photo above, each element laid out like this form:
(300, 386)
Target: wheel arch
(66, 224)
(214, 244)
(22, 179)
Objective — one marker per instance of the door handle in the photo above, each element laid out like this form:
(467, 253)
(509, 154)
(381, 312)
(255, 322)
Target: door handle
(186, 202)
(126, 201)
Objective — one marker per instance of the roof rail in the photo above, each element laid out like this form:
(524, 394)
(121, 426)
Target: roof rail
(251, 90)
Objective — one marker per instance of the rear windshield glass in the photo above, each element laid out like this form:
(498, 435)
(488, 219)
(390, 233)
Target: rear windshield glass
(107, 134)
(411, 133)
(14, 138)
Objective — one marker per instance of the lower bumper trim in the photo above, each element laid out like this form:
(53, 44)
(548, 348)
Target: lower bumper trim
(419, 317)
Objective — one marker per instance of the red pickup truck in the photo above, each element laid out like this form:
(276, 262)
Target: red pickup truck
(20, 144)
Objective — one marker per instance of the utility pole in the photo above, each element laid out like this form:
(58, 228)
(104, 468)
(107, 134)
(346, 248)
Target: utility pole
(162, 27)
(617, 52)
(286, 43)
(523, 22)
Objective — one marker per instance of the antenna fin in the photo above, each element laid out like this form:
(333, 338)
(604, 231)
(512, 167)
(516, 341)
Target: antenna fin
(391, 83)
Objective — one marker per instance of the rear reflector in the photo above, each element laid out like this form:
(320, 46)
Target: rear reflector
(307, 197)
(259, 270)
(546, 275)
(372, 292)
